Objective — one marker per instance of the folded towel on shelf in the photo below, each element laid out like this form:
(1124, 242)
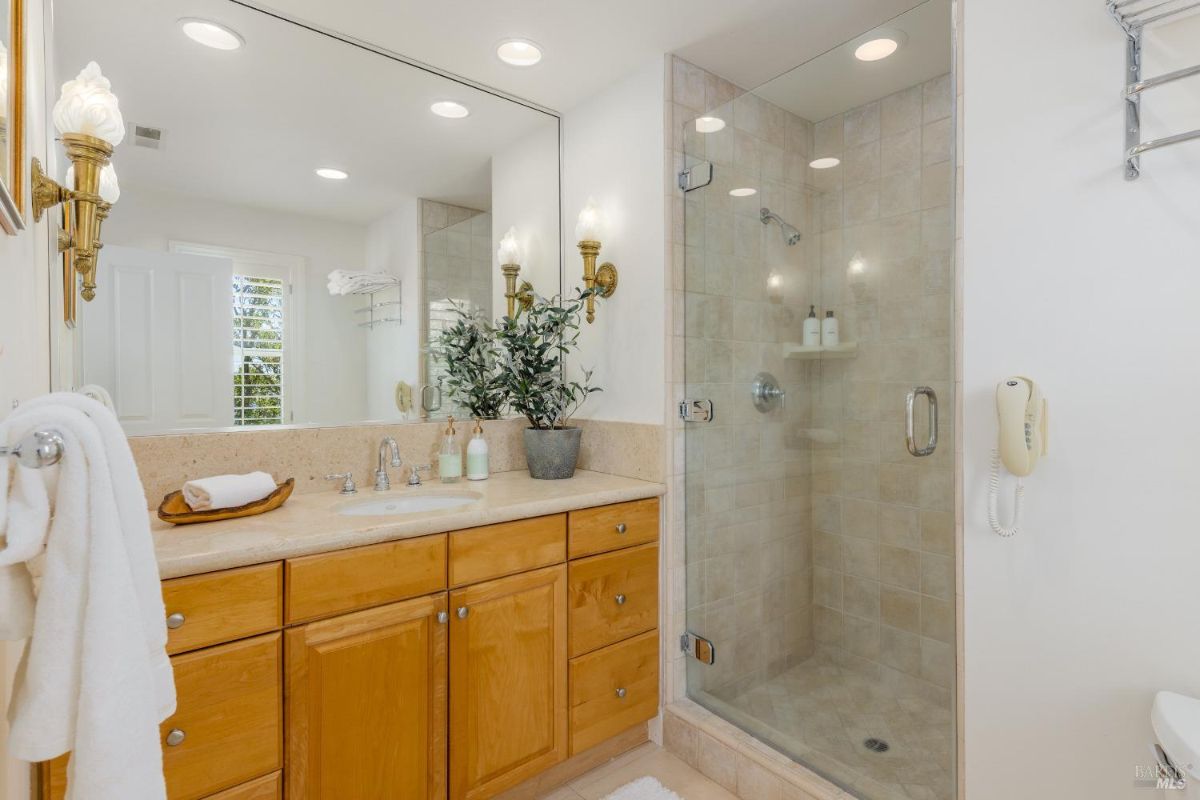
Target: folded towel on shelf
(95, 678)
(227, 491)
(343, 281)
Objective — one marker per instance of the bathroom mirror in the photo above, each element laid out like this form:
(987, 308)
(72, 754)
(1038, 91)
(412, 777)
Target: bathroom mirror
(261, 156)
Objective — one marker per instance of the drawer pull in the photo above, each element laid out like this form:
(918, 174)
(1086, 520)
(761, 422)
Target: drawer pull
(443, 617)
(621, 693)
(175, 737)
(175, 620)
(462, 612)
(621, 527)
(620, 599)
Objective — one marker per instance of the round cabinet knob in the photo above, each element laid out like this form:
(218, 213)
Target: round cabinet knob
(620, 599)
(175, 620)
(621, 693)
(175, 737)
(621, 527)
(443, 617)
(462, 612)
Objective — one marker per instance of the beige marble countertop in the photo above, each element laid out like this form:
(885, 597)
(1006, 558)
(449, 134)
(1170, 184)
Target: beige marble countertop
(309, 523)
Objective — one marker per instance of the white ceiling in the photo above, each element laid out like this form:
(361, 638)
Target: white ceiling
(250, 126)
(590, 45)
(837, 81)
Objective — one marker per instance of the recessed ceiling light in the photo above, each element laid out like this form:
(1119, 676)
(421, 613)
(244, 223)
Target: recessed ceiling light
(519, 52)
(824, 163)
(211, 34)
(449, 109)
(745, 191)
(709, 124)
(332, 173)
(879, 45)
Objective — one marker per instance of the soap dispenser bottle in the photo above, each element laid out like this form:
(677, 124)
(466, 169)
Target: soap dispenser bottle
(812, 328)
(829, 330)
(450, 456)
(477, 454)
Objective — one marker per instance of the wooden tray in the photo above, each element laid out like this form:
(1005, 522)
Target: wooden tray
(175, 510)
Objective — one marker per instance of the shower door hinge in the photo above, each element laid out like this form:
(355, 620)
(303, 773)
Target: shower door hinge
(696, 177)
(696, 411)
(698, 648)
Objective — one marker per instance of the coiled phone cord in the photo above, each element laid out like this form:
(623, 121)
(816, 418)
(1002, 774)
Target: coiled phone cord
(994, 500)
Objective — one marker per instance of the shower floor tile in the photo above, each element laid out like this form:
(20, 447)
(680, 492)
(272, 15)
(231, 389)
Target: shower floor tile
(820, 713)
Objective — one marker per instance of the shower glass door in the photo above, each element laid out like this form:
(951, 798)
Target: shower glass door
(820, 549)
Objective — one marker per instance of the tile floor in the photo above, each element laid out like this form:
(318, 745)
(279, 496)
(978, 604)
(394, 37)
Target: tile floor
(649, 759)
(820, 712)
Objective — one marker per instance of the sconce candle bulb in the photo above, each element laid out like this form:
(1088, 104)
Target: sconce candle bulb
(510, 259)
(588, 232)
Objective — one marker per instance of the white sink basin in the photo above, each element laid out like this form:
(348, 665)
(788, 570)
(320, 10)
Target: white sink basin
(398, 504)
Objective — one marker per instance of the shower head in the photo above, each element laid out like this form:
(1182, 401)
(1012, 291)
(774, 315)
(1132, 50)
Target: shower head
(791, 234)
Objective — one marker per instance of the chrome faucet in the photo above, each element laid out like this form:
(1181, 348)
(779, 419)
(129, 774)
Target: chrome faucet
(386, 445)
(414, 475)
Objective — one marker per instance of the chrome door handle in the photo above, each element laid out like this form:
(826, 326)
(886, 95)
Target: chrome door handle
(176, 620)
(621, 527)
(620, 599)
(462, 612)
(909, 425)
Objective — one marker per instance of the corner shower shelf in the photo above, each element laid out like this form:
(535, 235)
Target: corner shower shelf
(802, 352)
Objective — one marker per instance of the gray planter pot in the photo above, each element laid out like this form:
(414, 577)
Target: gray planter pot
(552, 454)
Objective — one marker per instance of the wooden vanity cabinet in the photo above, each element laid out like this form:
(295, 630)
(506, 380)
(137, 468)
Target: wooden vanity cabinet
(508, 681)
(366, 704)
(446, 667)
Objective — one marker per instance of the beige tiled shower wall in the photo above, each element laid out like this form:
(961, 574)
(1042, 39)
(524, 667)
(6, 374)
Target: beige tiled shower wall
(883, 541)
(747, 475)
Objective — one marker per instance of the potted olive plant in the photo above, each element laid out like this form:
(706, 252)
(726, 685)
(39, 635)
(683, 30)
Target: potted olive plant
(535, 343)
(468, 350)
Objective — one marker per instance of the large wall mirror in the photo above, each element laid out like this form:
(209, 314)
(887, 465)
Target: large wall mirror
(259, 160)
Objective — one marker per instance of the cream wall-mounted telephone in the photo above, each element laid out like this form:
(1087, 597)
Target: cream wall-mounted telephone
(1022, 415)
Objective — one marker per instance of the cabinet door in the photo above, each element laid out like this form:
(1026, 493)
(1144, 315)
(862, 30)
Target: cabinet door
(508, 681)
(366, 701)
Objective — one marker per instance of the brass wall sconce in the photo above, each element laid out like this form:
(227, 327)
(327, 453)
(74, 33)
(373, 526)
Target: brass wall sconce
(588, 232)
(89, 121)
(510, 258)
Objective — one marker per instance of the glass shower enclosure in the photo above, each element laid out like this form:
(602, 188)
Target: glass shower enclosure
(820, 497)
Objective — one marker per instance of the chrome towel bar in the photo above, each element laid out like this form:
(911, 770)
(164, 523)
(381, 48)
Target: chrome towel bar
(38, 449)
(1134, 16)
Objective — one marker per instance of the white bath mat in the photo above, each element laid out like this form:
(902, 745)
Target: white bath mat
(643, 789)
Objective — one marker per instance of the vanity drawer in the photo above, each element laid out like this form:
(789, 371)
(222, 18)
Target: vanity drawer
(347, 580)
(613, 689)
(605, 528)
(222, 606)
(612, 597)
(493, 551)
(268, 787)
(230, 710)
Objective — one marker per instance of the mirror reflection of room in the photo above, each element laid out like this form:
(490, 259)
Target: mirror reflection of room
(287, 247)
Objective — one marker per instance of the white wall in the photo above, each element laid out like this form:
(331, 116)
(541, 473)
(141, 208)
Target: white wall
(24, 326)
(334, 348)
(1091, 286)
(525, 195)
(394, 350)
(614, 151)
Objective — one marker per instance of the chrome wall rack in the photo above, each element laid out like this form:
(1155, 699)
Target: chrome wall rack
(1134, 16)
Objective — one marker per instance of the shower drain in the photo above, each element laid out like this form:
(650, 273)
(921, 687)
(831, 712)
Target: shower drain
(876, 745)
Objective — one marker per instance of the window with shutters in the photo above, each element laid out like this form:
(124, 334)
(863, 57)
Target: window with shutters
(259, 336)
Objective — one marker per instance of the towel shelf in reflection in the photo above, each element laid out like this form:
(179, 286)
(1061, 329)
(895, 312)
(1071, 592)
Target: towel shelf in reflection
(38, 449)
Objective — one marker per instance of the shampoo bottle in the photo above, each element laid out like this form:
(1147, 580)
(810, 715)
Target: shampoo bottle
(812, 328)
(829, 330)
(450, 456)
(477, 455)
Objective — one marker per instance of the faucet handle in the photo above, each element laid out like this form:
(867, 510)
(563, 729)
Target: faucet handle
(347, 480)
(414, 474)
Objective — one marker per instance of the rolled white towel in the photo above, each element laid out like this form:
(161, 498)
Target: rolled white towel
(227, 491)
